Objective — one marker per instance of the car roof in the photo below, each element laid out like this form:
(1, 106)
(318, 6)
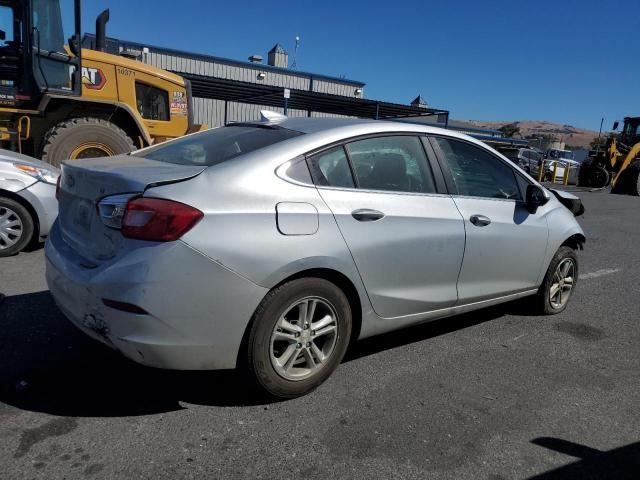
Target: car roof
(361, 126)
(324, 131)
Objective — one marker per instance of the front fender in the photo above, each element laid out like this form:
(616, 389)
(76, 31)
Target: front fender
(562, 227)
(14, 181)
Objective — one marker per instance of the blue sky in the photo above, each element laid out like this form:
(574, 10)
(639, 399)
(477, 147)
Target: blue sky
(565, 61)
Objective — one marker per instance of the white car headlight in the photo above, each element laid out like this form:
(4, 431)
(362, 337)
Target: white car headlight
(42, 174)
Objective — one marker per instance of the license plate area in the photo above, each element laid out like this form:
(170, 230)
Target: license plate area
(83, 215)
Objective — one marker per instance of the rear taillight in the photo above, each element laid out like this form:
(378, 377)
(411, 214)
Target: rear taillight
(158, 219)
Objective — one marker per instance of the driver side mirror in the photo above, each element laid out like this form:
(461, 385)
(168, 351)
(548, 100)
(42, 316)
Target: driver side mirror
(3, 35)
(536, 197)
(74, 45)
(615, 125)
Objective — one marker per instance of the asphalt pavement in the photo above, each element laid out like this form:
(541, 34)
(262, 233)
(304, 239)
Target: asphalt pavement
(496, 394)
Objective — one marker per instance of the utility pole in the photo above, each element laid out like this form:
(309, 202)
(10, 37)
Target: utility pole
(599, 134)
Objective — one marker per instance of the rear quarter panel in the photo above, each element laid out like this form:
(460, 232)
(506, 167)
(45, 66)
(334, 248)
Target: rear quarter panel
(240, 231)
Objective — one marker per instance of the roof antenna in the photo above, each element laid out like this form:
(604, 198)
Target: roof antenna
(295, 53)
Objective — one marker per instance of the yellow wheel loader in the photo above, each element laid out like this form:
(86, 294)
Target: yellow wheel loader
(59, 101)
(619, 163)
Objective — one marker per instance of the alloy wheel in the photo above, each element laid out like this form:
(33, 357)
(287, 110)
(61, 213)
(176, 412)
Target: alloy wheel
(304, 338)
(562, 283)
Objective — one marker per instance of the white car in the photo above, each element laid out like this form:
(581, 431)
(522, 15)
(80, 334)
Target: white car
(574, 168)
(28, 205)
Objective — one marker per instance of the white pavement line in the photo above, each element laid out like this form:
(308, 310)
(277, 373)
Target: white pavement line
(599, 273)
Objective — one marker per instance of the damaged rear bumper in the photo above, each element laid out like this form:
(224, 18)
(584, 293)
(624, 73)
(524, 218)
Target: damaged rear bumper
(197, 310)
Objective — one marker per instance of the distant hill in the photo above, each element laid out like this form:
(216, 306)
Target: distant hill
(572, 136)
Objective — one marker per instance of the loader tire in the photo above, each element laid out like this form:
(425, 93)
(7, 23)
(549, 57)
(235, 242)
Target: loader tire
(634, 178)
(599, 177)
(583, 173)
(85, 137)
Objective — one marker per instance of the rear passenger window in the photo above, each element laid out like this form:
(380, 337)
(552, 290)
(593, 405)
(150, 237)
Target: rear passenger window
(331, 168)
(394, 163)
(477, 173)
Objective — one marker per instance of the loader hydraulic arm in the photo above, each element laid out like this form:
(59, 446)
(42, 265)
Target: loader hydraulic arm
(631, 156)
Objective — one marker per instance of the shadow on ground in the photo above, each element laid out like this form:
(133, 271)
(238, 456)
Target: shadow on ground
(436, 328)
(621, 463)
(47, 365)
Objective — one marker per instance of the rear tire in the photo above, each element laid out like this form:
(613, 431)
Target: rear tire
(291, 352)
(634, 178)
(16, 227)
(556, 289)
(599, 177)
(85, 137)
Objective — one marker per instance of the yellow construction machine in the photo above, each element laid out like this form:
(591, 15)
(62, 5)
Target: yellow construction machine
(59, 101)
(618, 163)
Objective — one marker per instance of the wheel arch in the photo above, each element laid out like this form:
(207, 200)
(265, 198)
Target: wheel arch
(339, 279)
(564, 230)
(575, 241)
(34, 215)
(60, 108)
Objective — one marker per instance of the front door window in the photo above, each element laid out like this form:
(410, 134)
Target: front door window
(477, 173)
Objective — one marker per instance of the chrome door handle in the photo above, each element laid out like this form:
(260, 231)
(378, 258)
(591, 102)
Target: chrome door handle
(480, 220)
(367, 215)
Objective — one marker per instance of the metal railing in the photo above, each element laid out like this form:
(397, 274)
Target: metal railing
(556, 165)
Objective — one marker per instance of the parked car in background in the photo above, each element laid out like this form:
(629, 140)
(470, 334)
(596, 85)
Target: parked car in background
(526, 158)
(529, 160)
(270, 246)
(28, 204)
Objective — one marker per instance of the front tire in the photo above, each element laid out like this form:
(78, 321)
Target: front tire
(559, 282)
(299, 335)
(16, 227)
(85, 137)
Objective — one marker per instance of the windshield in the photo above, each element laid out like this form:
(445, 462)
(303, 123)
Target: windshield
(631, 129)
(47, 20)
(217, 145)
(561, 154)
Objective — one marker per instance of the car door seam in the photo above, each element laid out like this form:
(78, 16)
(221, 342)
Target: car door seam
(355, 265)
(464, 250)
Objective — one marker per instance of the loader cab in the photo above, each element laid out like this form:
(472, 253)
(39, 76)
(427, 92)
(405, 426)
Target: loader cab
(11, 48)
(40, 51)
(631, 131)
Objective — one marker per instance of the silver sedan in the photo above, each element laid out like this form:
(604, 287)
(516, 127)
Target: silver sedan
(271, 245)
(28, 205)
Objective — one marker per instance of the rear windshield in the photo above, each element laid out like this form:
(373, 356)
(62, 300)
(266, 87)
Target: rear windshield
(217, 145)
